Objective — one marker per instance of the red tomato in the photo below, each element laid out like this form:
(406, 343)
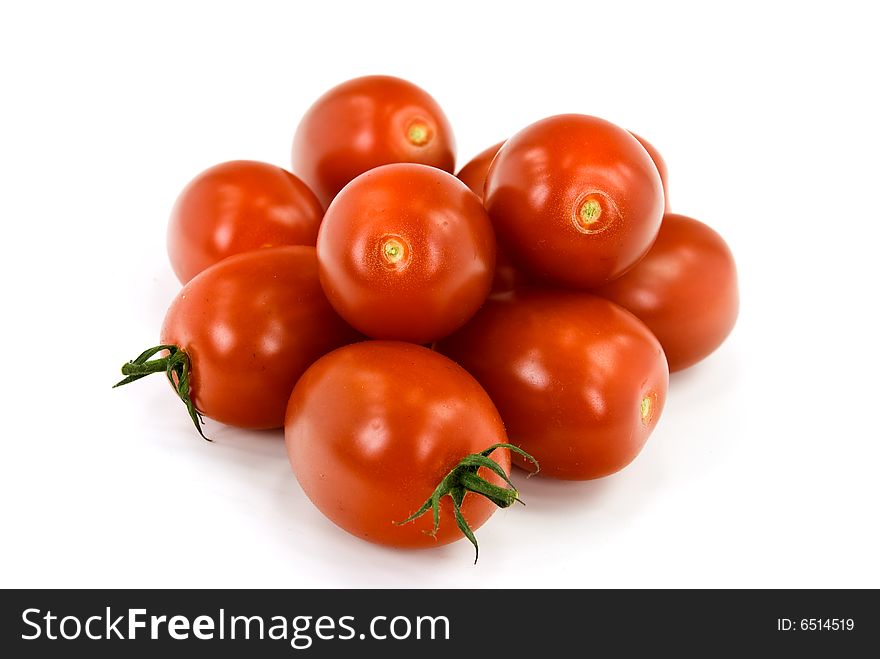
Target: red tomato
(367, 122)
(406, 252)
(579, 381)
(473, 174)
(236, 207)
(507, 275)
(659, 163)
(575, 200)
(684, 290)
(374, 427)
(244, 330)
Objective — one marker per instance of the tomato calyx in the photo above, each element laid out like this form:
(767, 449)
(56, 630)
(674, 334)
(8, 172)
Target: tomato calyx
(176, 366)
(646, 408)
(595, 213)
(590, 211)
(418, 133)
(395, 251)
(463, 479)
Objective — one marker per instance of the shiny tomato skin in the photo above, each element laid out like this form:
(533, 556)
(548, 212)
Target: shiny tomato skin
(367, 122)
(574, 199)
(251, 325)
(579, 381)
(372, 429)
(406, 252)
(660, 164)
(236, 207)
(473, 174)
(685, 290)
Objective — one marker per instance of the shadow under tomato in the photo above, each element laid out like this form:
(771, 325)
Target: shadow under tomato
(539, 493)
(241, 439)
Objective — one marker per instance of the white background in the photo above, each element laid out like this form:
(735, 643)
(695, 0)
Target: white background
(764, 469)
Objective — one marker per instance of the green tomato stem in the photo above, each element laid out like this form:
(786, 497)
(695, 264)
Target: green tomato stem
(463, 479)
(177, 368)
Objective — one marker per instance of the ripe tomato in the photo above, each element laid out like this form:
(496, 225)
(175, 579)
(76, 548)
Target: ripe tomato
(242, 332)
(367, 122)
(236, 207)
(579, 381)
(684, 290)
(406, 252)
(473, 174)
(507, 275)
(374, 427)
(575, 200)
(659, 163)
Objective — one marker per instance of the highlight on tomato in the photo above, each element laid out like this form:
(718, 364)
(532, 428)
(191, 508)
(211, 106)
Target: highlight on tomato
(398, 445)
(579, 381)
(367, 122)
(406, 252)
(685, 290)
(236, 207)
(237, 337)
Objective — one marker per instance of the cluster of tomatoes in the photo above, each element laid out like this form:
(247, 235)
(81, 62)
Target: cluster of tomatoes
(416, 333)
